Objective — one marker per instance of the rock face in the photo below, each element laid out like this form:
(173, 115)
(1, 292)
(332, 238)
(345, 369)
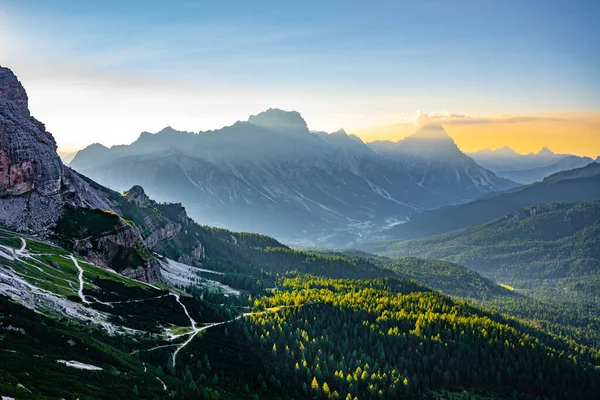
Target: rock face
(137, 195)
(433, 160)
(34, 184)
(37, 190)
(173, 227)
(28, 158)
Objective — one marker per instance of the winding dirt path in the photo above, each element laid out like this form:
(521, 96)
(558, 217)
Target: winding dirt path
(80, 291)
(198, 330)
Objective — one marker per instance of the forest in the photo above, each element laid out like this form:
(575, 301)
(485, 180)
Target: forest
(385, 338)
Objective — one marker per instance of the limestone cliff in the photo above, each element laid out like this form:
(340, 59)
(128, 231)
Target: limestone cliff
(167, 226)
(38, 194)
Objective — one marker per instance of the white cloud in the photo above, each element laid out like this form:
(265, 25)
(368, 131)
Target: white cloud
(420, 119)
(423, 118)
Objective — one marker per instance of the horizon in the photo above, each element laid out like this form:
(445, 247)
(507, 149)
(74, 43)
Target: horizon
(66, 152)
(106, 72)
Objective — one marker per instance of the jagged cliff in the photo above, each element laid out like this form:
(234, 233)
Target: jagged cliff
(34, 184)
(28, 158)
(168, 226)
(38, 194)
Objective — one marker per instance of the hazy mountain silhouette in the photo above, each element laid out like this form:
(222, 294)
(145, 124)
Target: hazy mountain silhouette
(433, 160)
(506, 159)
(271, 174)
(582, 184)
(539, 173)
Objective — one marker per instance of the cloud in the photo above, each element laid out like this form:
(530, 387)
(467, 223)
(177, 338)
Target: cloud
(420, 119)
(423, 118)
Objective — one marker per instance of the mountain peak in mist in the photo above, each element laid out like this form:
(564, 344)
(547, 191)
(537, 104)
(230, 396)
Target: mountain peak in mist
(275, 119)
(505, 150)
(166, 130)
(544, 151)
(431, 132)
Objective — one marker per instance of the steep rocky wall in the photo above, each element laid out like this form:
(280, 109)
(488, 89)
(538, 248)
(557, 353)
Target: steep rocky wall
(38, 194)
(28, 158)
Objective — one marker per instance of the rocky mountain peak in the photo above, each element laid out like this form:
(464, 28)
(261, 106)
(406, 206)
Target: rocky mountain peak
(431, 132)
(28, 158)
(168, 130)
(97, 146)
(544, 151)
(430, 142)
(505, 150)
(279, 120)
(11, 90)
(137, 195)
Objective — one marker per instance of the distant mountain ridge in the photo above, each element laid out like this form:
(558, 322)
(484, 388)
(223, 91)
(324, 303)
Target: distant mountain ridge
(506, 159)
(272, 174)
(433, 160)
(582, 184)
(537, 174)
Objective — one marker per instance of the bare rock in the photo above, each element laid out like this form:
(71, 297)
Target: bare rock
(28, 158)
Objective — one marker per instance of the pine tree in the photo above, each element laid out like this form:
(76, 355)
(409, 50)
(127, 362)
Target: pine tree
(314, 385)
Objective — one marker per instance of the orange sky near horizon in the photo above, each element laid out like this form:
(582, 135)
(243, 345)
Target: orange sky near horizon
(577, 134)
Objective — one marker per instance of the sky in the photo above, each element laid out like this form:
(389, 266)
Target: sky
(494, 73)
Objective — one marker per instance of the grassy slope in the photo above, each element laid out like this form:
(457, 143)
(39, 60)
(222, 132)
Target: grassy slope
(31, 342)
(545, 241)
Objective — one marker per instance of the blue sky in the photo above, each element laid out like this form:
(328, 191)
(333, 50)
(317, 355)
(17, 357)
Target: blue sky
(200, 65)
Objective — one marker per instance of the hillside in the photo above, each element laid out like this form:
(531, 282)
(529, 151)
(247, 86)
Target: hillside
(582, 184)
(545, 241)
(68, 327)
(449, 278)
(548, 252)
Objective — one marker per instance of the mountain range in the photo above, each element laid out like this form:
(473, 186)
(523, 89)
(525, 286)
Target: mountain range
(527, 168)
(582, 184)
(114, 295)
(271, 174)
(506, 159)
(539, 173)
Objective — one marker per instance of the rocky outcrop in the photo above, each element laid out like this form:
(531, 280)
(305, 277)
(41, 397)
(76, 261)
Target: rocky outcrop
(137, 195)
(28, 158)
(150, 273)
(38, 193)
(167, 226)
(34, 184)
